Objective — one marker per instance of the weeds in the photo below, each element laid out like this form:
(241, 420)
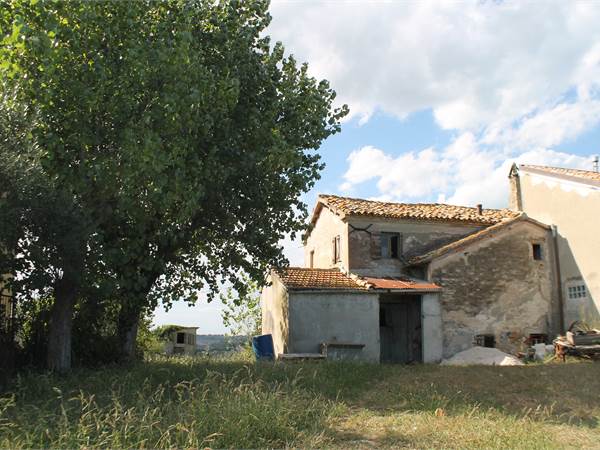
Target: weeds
(233, 402)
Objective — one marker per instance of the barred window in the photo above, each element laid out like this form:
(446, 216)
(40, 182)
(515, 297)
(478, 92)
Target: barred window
(577, 291)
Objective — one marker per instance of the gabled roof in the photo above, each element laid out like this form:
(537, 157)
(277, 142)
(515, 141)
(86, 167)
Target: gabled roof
(301, 278)
(437, 212)
(471, 238)
(577, 175)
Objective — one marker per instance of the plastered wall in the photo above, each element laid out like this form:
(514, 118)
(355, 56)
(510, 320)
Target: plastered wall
(274, 305)
(321, 316)
(575, 209)
(320, 239)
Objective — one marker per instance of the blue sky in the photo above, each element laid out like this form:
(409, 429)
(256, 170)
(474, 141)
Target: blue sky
(444, 96)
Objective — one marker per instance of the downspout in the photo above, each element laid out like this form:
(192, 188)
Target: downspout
(561, 311)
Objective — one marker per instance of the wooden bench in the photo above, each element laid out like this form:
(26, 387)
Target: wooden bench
(300, 356)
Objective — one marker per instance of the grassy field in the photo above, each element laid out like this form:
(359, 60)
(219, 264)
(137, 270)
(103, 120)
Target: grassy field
(236, 403)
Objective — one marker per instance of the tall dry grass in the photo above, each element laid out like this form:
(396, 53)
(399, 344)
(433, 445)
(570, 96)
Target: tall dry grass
(236, 403)
(151, 406)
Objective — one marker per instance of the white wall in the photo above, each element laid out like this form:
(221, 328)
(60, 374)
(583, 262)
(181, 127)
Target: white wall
(575, 209)
(432, 328)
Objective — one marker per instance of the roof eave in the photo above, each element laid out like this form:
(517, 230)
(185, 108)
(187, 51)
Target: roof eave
(481, 235)
(407, 291)
(329, 290)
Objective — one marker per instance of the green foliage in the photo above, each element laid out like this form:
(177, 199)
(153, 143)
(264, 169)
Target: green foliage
(33, 331)
(165, 332)
(179, 134)
(148, 341)
(195, 129)
(242, 312)
(95, 338)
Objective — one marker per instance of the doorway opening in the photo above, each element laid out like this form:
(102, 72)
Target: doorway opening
(400, 328)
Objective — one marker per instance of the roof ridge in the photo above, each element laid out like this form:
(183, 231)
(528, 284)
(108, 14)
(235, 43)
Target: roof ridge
(540, 166)
(408, 203)
(576, 175)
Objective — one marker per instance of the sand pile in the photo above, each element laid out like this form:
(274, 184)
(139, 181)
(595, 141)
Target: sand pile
(482, 356)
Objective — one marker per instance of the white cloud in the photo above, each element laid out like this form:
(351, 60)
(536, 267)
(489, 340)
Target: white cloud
(512, 79)
(294, 251)
(464, 173)
(476, 64)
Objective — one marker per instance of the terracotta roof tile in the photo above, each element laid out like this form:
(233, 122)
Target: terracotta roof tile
(299, 278)
(583, 175)
(417, 211)
(401, 283)
(304, 278)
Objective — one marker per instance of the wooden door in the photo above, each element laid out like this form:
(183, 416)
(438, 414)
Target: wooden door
(400, 329)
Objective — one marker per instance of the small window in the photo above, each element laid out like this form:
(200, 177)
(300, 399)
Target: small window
(537, 338)
(390, 245)
(312, 259)
(537, 251)
(485, 340)
(577, 291)
(337, 257)
(180, 338)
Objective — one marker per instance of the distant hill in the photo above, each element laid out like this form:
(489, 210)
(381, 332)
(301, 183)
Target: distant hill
(219, 342)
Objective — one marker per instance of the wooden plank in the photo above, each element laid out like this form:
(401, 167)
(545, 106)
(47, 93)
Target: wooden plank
(583, 339)
(297, 356)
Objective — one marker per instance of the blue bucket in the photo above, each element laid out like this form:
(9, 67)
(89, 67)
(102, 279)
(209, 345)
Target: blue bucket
(263, 347)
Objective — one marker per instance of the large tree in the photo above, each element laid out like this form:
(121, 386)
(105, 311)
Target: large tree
(41, 226)
(186, 137)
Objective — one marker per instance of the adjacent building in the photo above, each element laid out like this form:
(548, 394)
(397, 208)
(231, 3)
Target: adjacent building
(182, 341)
(569, 201)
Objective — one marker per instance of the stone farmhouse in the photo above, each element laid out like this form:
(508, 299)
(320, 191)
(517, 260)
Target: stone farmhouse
(398, 282)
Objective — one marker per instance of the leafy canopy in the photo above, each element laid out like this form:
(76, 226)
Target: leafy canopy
(184, 135)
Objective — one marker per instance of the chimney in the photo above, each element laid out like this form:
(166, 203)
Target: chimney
(480, 209)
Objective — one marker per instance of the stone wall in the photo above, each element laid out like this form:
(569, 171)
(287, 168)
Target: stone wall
(417, 237)
(494, 286)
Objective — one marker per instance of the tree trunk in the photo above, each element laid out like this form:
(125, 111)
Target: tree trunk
(129, 319)
(61, 324)
(132, 307)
